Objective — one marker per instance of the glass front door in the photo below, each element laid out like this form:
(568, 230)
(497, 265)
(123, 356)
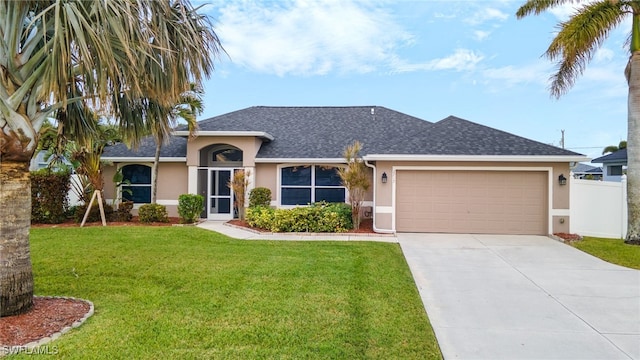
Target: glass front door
(220, 198)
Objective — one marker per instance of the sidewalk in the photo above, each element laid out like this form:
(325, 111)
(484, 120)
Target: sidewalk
(247, 234)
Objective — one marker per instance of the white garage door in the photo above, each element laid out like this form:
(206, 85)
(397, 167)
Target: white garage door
(475, 202)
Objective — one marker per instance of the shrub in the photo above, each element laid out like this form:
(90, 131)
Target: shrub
(259, 196)
(124, 211)
(319, 217)
(49, 196)
(153, 213)
(94, 213)
(189, 207)
(260, 217)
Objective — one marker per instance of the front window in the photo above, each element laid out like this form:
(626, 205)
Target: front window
(136, 183)
(302, 185)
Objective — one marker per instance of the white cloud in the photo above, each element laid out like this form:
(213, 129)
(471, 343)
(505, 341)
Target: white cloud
(486, 14)
(568, 9)
(460, 60)
(507, 76)
(481, 35)
(604, 55)
(301, 37)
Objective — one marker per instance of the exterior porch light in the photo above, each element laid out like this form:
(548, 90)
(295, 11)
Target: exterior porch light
(562, 180)
(384, 178)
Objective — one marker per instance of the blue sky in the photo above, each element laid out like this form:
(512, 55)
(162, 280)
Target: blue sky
(429, 59)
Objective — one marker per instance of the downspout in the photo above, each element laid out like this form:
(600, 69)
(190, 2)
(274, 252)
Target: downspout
(373, 210)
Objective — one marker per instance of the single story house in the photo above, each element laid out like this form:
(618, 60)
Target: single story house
(614, 165)
(587, 172)
(451, 176)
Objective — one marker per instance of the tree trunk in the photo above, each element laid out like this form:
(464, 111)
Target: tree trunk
(154, 176)
(16, 279)
(633, 155)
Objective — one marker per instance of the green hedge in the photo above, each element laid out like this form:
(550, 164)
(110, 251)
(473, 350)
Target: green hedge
(189, 207)
(319, 217)
(260, 196)
(153, 213)
(49, 201)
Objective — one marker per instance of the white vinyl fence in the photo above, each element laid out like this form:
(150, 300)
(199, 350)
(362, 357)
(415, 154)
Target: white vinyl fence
(599, 208)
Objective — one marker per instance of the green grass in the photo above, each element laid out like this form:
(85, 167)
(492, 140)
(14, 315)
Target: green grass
(614, 251)
(187, 293)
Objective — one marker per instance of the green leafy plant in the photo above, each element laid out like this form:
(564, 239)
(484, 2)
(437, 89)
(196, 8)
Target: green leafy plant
(49, 196)
(260, 196)
(189, 207)
(148, 213)
(124, 211)
(319, 217)
(94, 214)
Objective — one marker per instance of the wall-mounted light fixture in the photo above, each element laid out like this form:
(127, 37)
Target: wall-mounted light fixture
(384, 178)
(562, 180)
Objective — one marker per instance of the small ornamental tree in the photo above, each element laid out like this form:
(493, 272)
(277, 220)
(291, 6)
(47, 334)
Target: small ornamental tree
(355, 178)
(239, 184)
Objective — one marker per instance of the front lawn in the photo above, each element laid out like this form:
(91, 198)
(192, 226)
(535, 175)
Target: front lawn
(187, 293)
(612, 250)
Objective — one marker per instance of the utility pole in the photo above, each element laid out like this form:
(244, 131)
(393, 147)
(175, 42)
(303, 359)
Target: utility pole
(562, 139)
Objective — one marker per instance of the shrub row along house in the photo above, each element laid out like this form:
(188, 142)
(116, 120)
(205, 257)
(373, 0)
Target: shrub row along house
(451, 176)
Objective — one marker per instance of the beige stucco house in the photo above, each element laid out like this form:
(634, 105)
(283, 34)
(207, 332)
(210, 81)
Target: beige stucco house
(451, 176)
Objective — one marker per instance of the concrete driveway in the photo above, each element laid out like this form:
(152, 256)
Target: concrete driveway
(524, 297)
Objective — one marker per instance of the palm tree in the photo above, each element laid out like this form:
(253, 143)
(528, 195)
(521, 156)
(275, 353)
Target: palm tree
(65, 56)
(614, 148)
(164, 120)
(573, 47)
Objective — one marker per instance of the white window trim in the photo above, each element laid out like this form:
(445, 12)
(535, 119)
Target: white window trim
(312, 186)
(120, 166)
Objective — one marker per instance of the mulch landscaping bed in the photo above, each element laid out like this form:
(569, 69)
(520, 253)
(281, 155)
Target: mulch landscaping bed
(47, 317)
(135, 221)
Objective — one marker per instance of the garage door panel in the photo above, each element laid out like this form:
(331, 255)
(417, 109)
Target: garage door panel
(472, 202)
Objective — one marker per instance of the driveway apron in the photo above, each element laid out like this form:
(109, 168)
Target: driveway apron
(523, 297)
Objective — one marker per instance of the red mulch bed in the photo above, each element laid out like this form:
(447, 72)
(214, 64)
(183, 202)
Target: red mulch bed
(366, 226)
(47, 317)
(568, 237)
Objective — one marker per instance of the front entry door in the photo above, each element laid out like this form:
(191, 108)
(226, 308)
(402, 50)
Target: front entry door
(220, 199)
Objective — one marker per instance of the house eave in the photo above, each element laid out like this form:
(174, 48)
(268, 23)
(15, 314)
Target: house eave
(476, 158)
(300, 160)
(143, 159)
(260, 134)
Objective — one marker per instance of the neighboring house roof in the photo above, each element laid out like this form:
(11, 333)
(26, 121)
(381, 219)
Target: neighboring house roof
(587, 169)
(619, 156)
(323, 132)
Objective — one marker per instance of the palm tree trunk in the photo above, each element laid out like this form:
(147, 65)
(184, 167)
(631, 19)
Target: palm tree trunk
(156, 162)
(633, 150)
(16, 279)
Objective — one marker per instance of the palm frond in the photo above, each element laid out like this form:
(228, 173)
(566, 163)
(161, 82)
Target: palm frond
(538, 6)
(578, 39)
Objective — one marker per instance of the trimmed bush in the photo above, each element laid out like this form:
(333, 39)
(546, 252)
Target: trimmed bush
(319, 217)
(49, 196)
(94, 213)
(259, 196)
(148, 213)
(189, 207)
(124, 211)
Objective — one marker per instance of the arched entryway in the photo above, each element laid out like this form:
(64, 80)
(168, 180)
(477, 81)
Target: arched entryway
(218, 163)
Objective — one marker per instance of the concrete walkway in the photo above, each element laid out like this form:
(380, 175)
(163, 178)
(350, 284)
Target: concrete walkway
(245, 234)
(524, 297)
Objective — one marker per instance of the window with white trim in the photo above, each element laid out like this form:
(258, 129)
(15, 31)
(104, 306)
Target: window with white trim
(302, 185)
(136, 185)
